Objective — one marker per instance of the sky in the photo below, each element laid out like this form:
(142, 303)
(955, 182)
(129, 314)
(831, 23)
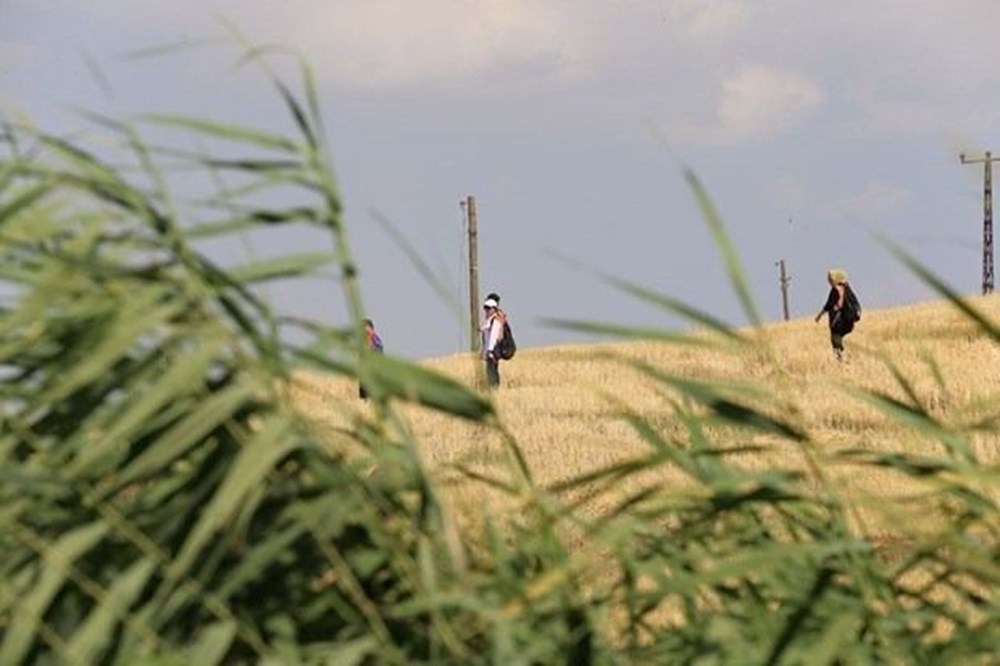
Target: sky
(572, 123)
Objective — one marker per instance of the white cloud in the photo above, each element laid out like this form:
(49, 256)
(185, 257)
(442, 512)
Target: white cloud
(877, 201)
(758, 102)
(708, 18)
(386, 43)
(889, 66)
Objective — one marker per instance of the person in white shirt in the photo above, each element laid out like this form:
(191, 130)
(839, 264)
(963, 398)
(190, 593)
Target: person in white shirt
(492, 331)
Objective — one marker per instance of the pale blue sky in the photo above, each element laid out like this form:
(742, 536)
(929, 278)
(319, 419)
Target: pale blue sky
(571, 121)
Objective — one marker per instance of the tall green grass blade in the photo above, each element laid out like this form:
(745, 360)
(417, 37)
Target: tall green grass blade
(984, 323)
(213, 644)
(59, 558)
(23, 202)
(138, 317)
(245, 135)
(354, 652)
(252, 465)
(98, 632)
(298, 113)
(312, 98)
(222, 228)
(169, 48)
(423, 269)
(486, 479)
(834, 641)
(253, 565)
(725, 404)
(284, 267)
(173, 385)
(734, 268)
(631, 333)
(920, 421)
(905, 383)
(390, 377)
(256, 166)
(672, 305)
(188, 432)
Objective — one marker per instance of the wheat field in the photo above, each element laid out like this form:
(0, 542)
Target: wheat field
(709, 496)
(564, 407)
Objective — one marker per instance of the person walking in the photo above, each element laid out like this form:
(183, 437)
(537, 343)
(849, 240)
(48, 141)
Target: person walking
(842, 308)
(492, 331)
(373, 341)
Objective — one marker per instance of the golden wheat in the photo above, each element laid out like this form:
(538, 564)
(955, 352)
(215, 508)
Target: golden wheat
(563, 405)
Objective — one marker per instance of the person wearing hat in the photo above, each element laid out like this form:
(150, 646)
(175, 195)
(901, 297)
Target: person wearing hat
(492, 331)
(842, 317)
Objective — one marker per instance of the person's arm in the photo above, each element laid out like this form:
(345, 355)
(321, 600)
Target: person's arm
(835, 296)
(826, 307)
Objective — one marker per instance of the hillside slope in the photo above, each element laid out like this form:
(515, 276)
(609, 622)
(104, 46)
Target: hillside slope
(564, 405)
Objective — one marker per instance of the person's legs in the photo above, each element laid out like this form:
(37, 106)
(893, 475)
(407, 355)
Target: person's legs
(492, 373)
(837, 342)
(838, 331)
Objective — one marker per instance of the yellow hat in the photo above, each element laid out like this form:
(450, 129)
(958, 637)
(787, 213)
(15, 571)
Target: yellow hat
(837, 275)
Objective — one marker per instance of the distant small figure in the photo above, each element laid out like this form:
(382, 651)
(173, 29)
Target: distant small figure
(374, 342)
(843, 308)
(492, 331)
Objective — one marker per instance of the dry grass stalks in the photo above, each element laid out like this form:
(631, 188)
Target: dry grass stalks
(563, 404)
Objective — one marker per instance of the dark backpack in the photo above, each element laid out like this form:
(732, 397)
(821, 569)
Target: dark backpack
(852, 306)
(506, 347)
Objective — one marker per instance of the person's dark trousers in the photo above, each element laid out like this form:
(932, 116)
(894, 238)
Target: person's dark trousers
(837, 340)
(837, 332)
(493, 372)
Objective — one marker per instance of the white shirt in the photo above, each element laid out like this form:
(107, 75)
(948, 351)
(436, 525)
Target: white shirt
(492, 329)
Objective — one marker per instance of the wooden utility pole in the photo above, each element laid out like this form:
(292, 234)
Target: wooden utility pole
(785, 279)
(987, 163)
(470, 209)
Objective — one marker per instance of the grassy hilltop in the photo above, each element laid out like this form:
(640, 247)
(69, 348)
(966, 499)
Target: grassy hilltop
(564, 405)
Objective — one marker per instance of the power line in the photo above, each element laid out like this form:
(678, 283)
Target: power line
(987, 163)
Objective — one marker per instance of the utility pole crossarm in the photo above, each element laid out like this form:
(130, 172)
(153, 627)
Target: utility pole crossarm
(987, 162)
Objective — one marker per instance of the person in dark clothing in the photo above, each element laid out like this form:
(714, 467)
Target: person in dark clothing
(841, 321)
(374, 342)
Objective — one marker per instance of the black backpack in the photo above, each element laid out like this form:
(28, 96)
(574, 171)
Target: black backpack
(506, 347)
(852, 306)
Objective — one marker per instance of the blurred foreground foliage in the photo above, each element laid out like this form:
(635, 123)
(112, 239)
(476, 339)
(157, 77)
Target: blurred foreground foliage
(163, 502)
